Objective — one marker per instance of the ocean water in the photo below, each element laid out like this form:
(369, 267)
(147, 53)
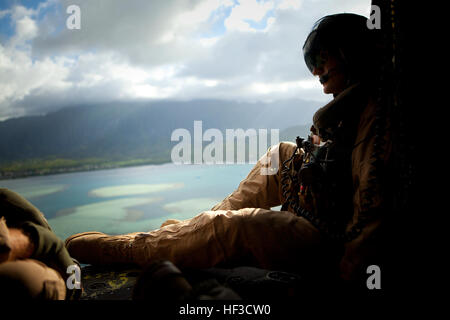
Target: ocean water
(129, 199)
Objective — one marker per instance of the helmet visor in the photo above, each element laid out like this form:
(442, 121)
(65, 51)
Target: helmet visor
(315, 55)
(311, 51)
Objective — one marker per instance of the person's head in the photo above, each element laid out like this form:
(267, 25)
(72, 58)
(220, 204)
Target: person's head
(340, 50)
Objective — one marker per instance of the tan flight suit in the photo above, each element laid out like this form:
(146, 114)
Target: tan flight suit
(243, 230)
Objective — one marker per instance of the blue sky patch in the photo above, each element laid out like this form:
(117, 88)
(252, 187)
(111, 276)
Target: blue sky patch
(262, 24)
(7, 27)
(216, 21)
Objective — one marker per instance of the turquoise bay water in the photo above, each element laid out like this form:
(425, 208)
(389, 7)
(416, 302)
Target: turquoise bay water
(127, 199)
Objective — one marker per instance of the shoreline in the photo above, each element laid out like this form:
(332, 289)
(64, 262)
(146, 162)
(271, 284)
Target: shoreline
(11, 175)
(8, 176)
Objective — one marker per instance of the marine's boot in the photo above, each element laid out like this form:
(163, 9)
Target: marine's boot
(101, 249)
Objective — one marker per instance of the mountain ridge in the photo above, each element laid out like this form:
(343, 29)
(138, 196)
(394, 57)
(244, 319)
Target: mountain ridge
(96, 136)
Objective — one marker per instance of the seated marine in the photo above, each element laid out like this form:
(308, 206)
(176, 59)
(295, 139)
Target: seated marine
(330, 185)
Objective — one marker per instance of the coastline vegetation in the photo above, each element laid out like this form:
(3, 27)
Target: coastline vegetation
(39, 167)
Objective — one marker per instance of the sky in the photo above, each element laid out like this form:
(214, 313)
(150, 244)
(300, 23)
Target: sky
(135, 50)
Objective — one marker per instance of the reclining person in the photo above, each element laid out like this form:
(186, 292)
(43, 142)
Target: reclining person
(33, 260)
(331, 217)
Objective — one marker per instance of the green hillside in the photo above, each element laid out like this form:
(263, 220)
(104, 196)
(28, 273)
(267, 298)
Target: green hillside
(119, 134)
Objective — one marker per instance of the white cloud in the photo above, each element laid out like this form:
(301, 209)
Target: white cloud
(157, 49)
(26, 29)
(268, 88)
(247, 10)
(19, 12)
(199, 14)
(290, 4)
(20, 76)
